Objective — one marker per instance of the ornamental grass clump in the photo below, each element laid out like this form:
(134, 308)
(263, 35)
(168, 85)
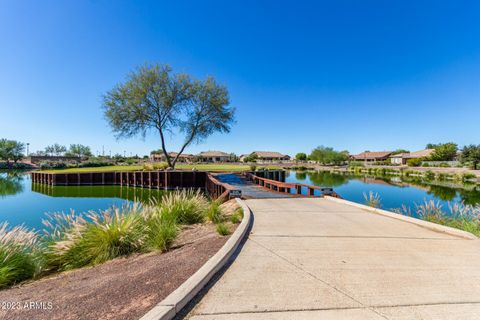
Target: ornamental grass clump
(72, 241)
(459, 215)
(431, 211)
(223, 229)
(214, 212)
(187, 206)
(465, 217)
(99, 237)
(372, 199)
(237, 216)
(19, 254)
(161, 228)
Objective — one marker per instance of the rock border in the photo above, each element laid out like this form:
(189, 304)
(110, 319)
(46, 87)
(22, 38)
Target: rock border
(169, 307)
(424, 224)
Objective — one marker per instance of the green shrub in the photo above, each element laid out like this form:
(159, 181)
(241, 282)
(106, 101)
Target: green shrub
(162, 229)
(95, 163)
(407, 173)
(148, 167)
(429, 175)
(223, 229)
(214, 212)
(19, 255)
(160, 166)
(415, 162)
(15, 166)
(468, 177)
(45, 165)
(155, 166)
(458, 177)
(253, 167)
(356, 164)
(441, 176)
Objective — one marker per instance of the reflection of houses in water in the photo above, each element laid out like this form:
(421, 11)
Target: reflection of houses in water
(375, 180)
(397, 181)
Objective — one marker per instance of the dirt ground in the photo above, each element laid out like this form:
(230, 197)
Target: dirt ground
(124, 288)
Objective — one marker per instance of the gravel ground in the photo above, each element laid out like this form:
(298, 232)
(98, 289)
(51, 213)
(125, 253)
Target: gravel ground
(124, 288)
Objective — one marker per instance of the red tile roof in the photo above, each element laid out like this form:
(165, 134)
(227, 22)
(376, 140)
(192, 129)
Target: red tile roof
(372, 155)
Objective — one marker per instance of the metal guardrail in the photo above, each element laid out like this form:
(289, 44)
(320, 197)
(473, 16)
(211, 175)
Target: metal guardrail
(288, 187)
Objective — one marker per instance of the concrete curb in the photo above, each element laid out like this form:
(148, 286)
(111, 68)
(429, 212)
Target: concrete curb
(424, 224)
(173, 303)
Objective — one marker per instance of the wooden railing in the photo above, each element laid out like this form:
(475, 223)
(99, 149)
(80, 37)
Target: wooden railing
(290, 188)
(217, 189)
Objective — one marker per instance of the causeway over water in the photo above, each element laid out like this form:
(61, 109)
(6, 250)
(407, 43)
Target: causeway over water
(315, 258)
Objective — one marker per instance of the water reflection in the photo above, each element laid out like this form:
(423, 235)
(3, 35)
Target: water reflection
(344, 182)
(128, 193)
(11, 183)
(321, 178)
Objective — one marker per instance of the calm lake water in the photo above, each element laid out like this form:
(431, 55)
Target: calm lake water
(394, 191)
(24, 203)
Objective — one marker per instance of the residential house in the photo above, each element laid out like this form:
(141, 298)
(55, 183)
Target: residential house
(214, 156)
(372, 156)
(402, 158)
(267, 156)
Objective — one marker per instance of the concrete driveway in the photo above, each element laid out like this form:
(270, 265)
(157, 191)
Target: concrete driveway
(317, 259)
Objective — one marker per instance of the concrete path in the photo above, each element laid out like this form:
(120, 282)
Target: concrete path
(310, 258)
(249, 189)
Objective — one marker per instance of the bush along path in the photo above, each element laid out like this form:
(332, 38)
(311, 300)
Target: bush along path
(73, 241)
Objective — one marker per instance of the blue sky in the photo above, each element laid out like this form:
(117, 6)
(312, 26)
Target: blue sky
(355, 75)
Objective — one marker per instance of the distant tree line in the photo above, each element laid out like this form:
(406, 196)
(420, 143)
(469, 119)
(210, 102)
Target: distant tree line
(449, 151)
(324, 155)
(469, 154)
(75, 150)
